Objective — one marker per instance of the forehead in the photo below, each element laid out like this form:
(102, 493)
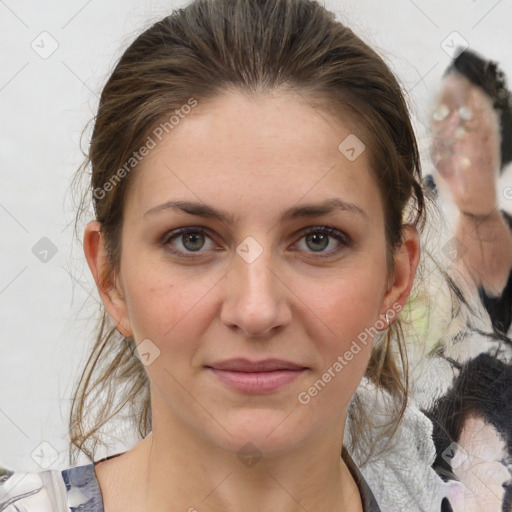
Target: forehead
(261, 150)
(457, 89)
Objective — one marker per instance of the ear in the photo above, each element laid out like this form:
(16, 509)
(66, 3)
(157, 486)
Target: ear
(109, 288)
(406, 260)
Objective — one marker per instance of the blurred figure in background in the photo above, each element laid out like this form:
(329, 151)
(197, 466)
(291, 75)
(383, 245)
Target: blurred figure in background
(472, 145)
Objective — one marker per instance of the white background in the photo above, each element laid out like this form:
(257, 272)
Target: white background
(47, 309)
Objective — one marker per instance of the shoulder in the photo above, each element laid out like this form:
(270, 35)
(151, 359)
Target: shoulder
(399, 472)
(50, 490)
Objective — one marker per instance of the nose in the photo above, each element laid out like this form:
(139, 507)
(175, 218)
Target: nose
(256, 302)
(448, 128)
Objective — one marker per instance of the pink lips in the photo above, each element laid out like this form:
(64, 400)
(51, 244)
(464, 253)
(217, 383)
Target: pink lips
(256, 377)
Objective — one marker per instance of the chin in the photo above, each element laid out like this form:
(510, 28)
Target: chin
(259, 432)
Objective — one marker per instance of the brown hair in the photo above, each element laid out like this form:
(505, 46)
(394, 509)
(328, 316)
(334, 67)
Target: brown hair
(197, 53)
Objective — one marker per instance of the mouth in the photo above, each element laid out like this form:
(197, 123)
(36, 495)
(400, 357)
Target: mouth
(256, 377)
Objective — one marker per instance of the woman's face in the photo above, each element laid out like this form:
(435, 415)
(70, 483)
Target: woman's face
(465, 129)
(250, 238)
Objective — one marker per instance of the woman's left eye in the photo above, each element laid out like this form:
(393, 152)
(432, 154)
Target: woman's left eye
(318, 239)
(187, 241)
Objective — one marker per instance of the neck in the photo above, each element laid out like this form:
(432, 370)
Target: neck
(193, 476)
(486, 253)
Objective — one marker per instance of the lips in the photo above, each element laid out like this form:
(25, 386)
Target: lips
(256, 377)
(244, 365)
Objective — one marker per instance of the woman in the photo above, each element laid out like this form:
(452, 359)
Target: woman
(472, 144)
(239, 321)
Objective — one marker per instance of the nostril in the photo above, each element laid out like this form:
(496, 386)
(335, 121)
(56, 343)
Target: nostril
(446, 506)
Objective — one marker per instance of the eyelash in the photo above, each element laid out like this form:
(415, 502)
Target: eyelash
(341, 237)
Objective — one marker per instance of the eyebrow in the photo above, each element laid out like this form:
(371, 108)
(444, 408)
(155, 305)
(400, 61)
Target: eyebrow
(296, 212)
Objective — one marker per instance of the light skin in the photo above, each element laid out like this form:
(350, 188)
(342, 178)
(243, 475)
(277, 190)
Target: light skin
(478, 467)
(466, 153)
(254, 158)
(467, 158)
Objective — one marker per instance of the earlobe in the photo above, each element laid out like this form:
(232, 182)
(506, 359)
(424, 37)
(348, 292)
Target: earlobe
(406, 261)
(110, 291)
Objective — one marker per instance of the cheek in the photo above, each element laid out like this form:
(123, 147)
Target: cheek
(484, 140)
(492, 143)
(164, 304)
(352, 304)
(344, 350)
(345, 314)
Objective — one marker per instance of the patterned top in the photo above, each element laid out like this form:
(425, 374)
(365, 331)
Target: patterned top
(77, 490)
